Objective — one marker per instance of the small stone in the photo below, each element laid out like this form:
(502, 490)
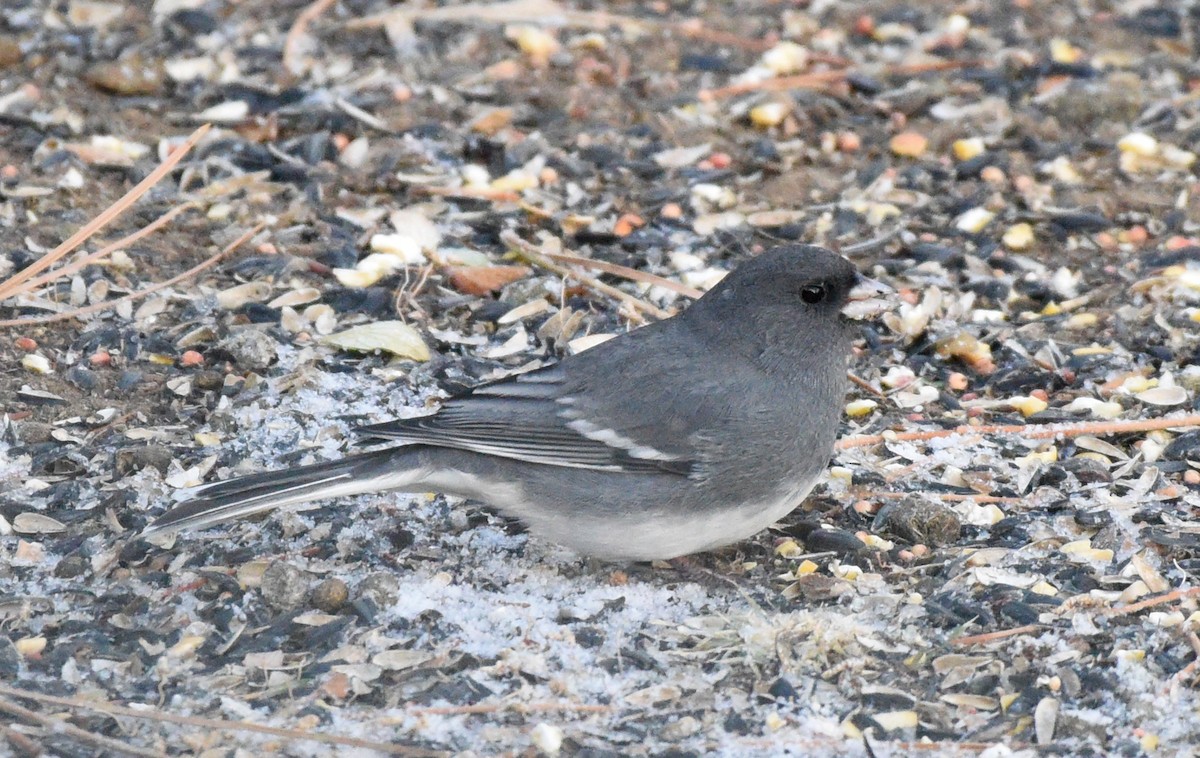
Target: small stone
(129, 76)
(1087, 470)
(284, 587)
(131, 459)
(250, 349)
(330, 595)
(381, 589)
(84, 379)
(919, 521)
(34, 432)
(10, 51)
(72, 566)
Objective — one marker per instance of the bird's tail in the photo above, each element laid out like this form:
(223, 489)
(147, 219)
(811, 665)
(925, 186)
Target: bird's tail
(237, 498)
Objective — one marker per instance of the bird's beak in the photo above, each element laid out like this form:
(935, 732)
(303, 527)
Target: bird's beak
(868, 298)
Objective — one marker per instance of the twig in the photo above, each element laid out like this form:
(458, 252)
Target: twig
(531, 254)
(863, 384)
(480, 708)
(543, 12)
(203, 723)
(140, 293)
(813, 80)
(867, 245)
(1028, 431)
(625, 272)
(13, 284)
(697, 30)
(370, 119)
(1192, 670)
(951, 496)
(981, 639)
(21, 743)
(58, 725)
(291, 43)
(820, 79)
(1169, 597)
(472, 193)
(110, 248)
(828, 746)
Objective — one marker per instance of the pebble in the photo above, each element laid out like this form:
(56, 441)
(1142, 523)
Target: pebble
(330, 595)
(34, 432)
(250, 349)
(920, 521)
(129, 76)
(380, 588)
(131, 459)
(284, 587)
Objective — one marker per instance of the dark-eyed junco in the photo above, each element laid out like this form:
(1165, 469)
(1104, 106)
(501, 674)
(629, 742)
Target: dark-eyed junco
(681, 436)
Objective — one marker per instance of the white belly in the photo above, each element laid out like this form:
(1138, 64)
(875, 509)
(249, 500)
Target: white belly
(665, 535)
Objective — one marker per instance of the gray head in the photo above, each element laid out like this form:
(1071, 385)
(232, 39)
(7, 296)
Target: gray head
(790, 283)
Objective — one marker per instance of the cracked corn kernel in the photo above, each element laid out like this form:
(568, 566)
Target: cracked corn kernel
(1029, 405)
(769, 114)
(1018, 237)
(909, 144)
(859, 408)
(1138, 143)
(966, 149)
(974, 220)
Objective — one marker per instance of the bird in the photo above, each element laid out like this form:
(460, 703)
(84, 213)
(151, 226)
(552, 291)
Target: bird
(675, 438)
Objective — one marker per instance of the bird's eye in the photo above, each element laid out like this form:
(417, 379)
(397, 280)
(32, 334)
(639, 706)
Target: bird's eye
(812, 293)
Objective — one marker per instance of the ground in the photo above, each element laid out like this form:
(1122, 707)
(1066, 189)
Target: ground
(1002, 560)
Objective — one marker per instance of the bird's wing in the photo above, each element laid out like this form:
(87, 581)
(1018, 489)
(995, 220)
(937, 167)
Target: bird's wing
(536, 417)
